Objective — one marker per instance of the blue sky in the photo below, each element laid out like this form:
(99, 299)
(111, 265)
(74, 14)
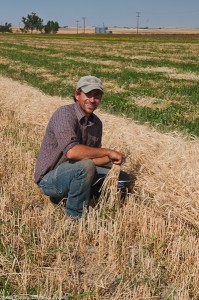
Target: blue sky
(153, 13)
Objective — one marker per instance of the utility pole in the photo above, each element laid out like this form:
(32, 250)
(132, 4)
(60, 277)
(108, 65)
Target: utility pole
(77, 21)
(84, 20)
(138, 16)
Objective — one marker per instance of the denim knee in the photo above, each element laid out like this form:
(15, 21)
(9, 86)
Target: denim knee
(88, 167)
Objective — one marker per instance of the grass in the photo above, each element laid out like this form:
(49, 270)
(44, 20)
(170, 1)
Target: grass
(131, 68)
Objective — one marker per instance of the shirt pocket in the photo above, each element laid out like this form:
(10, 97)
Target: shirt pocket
(93, 141)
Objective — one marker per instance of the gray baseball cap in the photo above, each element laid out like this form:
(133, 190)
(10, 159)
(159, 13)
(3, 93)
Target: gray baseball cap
(89, 83)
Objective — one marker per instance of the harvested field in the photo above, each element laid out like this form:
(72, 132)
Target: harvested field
(143, 247)
(124, 30)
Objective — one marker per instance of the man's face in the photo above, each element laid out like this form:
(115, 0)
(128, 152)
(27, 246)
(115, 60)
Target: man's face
(89, 101)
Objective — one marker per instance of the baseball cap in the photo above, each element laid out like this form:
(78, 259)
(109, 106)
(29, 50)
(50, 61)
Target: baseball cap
(89, 83)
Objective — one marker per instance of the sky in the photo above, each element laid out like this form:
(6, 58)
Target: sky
(110, 13)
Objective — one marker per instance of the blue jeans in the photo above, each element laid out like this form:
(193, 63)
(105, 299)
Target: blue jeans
(77, 181)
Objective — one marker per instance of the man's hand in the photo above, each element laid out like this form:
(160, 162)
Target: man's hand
(116, 157)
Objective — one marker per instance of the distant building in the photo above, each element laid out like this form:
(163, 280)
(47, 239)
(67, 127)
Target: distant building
(102, 30)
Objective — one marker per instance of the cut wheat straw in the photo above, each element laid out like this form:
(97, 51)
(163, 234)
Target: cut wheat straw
(137, 250)
(109, 189)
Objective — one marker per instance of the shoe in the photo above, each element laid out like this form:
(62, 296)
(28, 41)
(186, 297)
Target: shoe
(55, 201)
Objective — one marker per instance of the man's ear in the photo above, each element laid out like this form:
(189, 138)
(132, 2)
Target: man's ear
(76, 95)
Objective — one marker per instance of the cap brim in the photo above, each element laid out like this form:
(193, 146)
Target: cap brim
(91, 87)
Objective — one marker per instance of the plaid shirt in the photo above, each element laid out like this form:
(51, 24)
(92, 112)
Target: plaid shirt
(66, 128)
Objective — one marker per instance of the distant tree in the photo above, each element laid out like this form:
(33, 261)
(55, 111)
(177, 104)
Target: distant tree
(51, 27)
(6, 28)
(32, 22)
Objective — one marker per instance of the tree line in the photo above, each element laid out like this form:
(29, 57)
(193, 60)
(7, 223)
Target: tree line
(7, 27)
(33, 22)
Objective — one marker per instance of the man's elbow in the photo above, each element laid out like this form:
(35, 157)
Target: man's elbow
(70, 154)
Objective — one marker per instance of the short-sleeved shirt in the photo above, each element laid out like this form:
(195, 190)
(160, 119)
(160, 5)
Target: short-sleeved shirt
(67, 127)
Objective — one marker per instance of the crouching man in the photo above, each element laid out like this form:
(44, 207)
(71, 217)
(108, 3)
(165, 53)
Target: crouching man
(71, 158)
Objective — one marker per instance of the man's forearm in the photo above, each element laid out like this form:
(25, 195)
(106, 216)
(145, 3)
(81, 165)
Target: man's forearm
(101, 161)
(79, 152)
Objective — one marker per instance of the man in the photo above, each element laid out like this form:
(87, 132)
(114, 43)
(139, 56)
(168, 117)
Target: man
(71, 159)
